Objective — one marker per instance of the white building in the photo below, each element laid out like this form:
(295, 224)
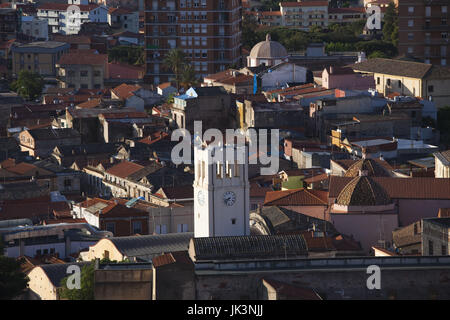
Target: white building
(221, 192)
(67, 18)
(305, 14)
(442, 164)
(123, 18)
(35, 27)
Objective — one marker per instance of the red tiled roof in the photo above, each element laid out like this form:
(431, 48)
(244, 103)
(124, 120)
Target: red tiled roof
(164, 85)
(180, 192)
(36, 207)
(296, 197)
(258, 192)
(124, 115)
(119, 11)
(64, 6)
(124, 169)
(317, 178)
(92, 103)
(293, 292)
(401, 188)
(125, 91)
(305, 4)
(172, 257)
(83, 59)
(125, 71)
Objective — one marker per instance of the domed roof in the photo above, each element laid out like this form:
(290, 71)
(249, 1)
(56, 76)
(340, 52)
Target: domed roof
(363, 191)
(268, 50)
(371, 167)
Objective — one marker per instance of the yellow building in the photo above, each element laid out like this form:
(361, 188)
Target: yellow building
(82, 69)
(408, 78)
(38, 57)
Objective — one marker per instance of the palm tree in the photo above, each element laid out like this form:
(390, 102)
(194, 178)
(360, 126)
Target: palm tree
(175, 60)
(189, 77)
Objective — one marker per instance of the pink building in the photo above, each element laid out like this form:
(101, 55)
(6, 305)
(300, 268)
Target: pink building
(346, 79)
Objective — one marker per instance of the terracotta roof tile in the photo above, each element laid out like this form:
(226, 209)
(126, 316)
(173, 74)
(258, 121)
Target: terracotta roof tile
(125, 91)
(124, 169)
(401, 188)
(84, 59)
(296, 197)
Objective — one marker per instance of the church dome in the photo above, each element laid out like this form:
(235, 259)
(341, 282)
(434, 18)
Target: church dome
(363, 191)
(268, 50)
(371, 167)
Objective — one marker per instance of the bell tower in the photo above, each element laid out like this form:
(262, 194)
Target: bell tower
(221, 191)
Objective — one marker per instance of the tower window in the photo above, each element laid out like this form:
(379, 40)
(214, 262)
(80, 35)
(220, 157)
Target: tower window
(236, 169)
(219, 170)
(233, 221)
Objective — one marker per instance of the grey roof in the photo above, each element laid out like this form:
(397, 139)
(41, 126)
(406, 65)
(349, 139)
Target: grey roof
(57, 272)
(148, 246)
(249, 247)
(50, 134)
(268, 49)
(209, 91)
(394, 67)
(91, 148)
(443, 156)
(41, 46)
(443, 222)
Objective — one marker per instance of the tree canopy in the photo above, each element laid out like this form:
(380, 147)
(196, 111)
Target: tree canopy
(86, 292)
(28, 85)
(134, 55)
(13, 281)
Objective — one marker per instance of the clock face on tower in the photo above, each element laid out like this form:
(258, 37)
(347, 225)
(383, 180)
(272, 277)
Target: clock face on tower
(229, 198)
(201, 197)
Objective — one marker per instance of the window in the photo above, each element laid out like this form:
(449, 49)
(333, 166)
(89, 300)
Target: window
(410, 36)
(182, 227)
(430, 248)
(233, 221)
(410, 23)
(410, 50)
(443, 250)
(430, 88)
(83, 73)
(378, 80)
(428, 11)
(388, 82)
(444, 9)
(137, 227)
(39, 252)
(106, 254)
(399, 83)
(111, 227)
(67, 183)
(161, 229)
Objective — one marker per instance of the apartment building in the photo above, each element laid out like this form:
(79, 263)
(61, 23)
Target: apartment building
(305, 14)
(67, 18)
(208, 31)
(35, 27)
(39, 57)
(82, 69)
(424, 30)
(123, 18)
(9, 24)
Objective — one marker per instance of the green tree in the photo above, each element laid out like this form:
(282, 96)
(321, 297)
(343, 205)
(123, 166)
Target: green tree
(86, 292)
(189, 77)
(250, 37)
(134, 55)
(175, 61)
(377, 54)
(28, 85)
(13, 281)
(390, 24)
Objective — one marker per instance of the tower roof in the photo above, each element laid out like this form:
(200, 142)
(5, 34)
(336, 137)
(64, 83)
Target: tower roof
(363, 191)
(268, 50)
(371, 168)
